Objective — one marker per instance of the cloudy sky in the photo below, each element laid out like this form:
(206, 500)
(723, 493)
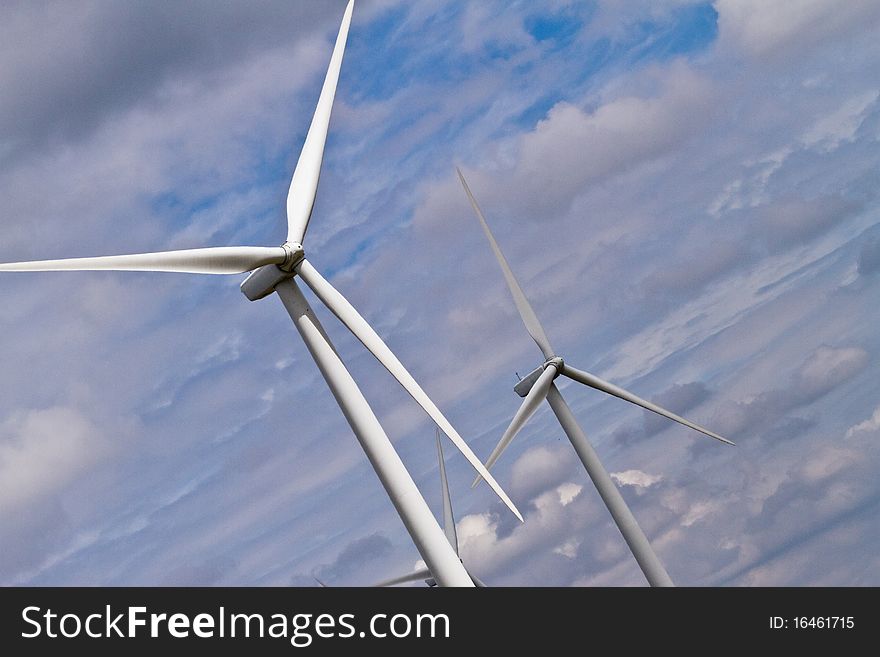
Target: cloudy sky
(688, 192)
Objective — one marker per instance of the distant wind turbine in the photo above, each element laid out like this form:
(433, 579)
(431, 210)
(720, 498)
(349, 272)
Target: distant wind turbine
(538, 385)
(273, 271)
(448, 529)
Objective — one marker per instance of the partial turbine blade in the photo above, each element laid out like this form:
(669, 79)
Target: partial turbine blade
(304, 185)
(530, 404)
(339, 305)
(448, 518)
(215, 260)
(324, 586)
(595, 382)
(424, 573)
(530, 319)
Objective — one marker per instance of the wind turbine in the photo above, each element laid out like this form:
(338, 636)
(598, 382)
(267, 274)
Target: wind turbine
(538, 385)
(448, 529)
(273, 270)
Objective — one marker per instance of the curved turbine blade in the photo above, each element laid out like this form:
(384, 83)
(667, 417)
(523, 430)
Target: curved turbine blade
(346, 313)
(215, 260)
(529, 318)
(304, 185)
(530, 404)
(448, 518)
(424, 573)
(595, 382)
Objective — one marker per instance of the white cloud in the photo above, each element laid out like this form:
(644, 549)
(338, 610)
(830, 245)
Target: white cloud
(636, 478)
(828, 366)
(568, 492)
(827, 462)
(699, 511)
(841, 125)
(868, 426)
(759, 27)
(572, 146)
(42, 451)
(474, 529)
(556, 517)
(540, 468)
(568, 549)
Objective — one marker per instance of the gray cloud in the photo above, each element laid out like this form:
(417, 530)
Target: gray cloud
(31, 536)
(787, 222)
(829, 492)
(822, 371)
(678, 398)
(762, 29)
(789, 428)
(211, 573)
(869, 257)
(97, 58)
(355, 558)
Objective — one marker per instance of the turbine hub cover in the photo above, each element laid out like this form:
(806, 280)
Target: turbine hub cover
(556, 362)
(295, 255)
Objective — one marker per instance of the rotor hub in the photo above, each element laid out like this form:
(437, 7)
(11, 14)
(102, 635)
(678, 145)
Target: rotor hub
(556, 362)
(294, 254)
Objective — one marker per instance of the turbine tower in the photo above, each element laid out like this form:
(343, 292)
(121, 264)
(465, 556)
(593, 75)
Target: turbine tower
(274, 269)
(538, 385)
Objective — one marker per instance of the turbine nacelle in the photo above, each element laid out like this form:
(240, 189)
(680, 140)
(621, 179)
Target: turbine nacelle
(262, 282)
(525, 384)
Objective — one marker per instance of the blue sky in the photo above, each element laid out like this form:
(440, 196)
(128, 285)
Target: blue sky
(686, 190)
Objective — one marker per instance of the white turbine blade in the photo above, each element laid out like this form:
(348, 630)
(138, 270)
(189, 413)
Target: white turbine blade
(424, 573)
(304, 185)
(324, 586)
(595, 382)
(529, 318)
(339, 305)
(530, 404)
(215, 260)
(448, 518)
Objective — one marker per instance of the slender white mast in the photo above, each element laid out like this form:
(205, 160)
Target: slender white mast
(626, 522)
(427, 535)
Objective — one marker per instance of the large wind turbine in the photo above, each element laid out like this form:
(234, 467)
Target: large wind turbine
(538, 385)
(448, 529)
(274, 269)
